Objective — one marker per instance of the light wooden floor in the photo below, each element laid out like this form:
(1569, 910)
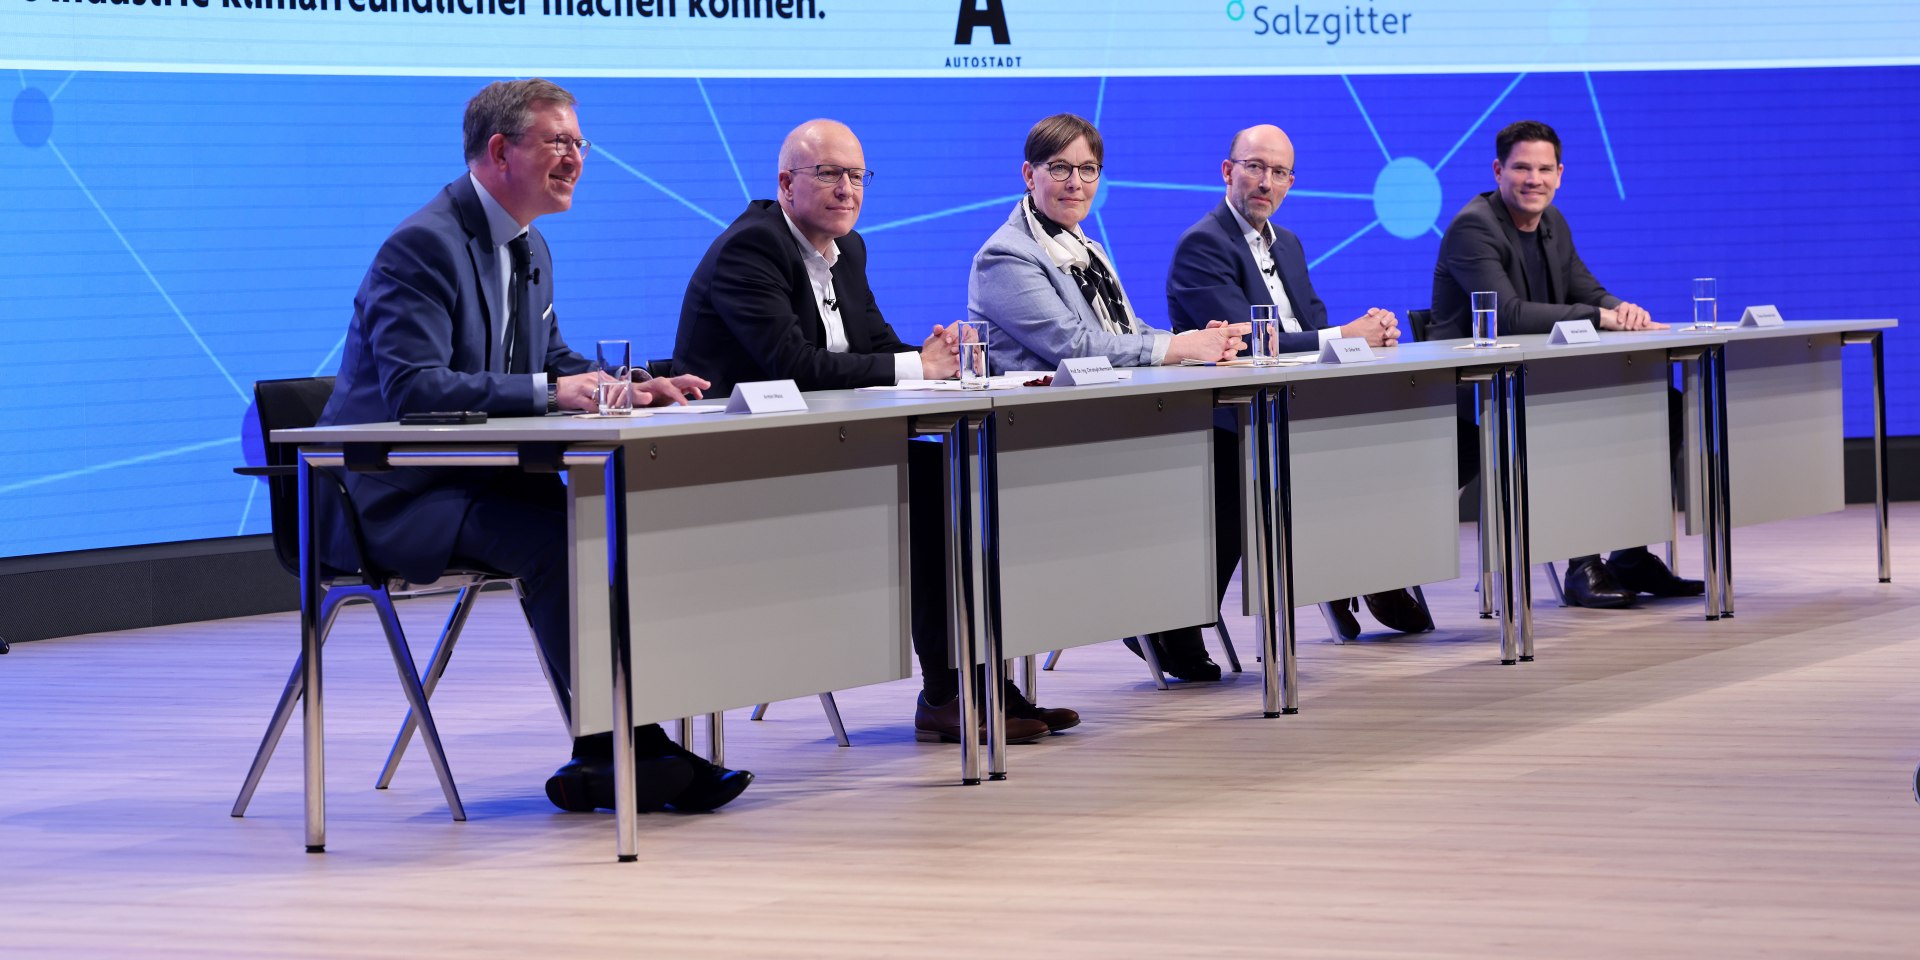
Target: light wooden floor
(1653, 786)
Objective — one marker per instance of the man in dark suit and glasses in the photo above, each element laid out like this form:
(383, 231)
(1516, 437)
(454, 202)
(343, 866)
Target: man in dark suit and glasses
(1235, 257)
(456, 313)
(1513, 241)
(782, 294)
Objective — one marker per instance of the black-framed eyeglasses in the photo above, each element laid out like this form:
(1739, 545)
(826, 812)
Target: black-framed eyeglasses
(1060, 170)
(561, 143)
(832, 172)
(1258, 170)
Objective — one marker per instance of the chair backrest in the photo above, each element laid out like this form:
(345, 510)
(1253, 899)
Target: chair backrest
(660, 368)
(285, 405)
(1417, 323)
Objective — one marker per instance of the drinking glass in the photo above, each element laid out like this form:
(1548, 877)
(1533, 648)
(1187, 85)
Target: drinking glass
(973, 354)
(1705, 303)
(1486, 318)
(613, 393)
(1264, 338)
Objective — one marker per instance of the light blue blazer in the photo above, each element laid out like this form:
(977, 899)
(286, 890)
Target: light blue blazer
(1035, 313)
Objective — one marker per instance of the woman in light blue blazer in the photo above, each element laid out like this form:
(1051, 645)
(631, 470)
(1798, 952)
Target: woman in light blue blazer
(1048, 292)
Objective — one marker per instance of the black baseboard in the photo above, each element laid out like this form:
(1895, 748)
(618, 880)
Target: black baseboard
(90, 591)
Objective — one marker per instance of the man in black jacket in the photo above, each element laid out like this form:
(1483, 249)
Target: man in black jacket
(783, 295)
(1514, 242)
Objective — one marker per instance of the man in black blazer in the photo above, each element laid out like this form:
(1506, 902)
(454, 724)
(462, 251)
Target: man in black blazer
(1514, 242)
(782, 294)
(1235, 257)
(456, 313)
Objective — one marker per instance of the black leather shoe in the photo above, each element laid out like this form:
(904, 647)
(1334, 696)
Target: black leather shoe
(1399, 610)
(1588, 584)
(711, 786)
(1344, 625)
(1183, 656)
(585, 785)
(941, 724)
(1056, 718)
(1642, 572)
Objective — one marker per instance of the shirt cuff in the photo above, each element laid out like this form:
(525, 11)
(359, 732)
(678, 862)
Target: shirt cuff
(1329, 333)
(907, 366)
(1161, 341)
(540, 393)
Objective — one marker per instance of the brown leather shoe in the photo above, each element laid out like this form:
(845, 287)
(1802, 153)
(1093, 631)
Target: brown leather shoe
(1056, 718)
(941, 724)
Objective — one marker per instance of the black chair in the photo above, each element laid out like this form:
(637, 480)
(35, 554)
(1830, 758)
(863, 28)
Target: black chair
(660, 368)
(1417, 323)
(294, 403)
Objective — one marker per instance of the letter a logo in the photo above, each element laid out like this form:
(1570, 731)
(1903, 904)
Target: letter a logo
(974, 16)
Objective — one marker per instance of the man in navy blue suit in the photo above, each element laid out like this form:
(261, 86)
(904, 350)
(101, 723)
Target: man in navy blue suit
(456, 313)
(1235, 257)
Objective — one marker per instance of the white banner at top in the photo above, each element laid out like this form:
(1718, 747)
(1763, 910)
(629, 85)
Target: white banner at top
(922, 38)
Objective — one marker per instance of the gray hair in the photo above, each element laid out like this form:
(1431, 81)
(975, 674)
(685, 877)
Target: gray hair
(506, 107)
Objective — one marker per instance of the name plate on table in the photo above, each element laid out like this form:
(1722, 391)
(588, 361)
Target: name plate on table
(1766, 315)
(1080, 371)
(766, 396)
(1574, 331)
(1346, 350)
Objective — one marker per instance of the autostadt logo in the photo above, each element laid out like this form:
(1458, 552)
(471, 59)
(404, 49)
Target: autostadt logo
(975, 14)
(1327, 26)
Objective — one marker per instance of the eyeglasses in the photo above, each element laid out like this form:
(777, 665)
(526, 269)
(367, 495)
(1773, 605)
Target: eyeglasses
(832, 172)
(561, 143)
(1258, 170)
(1060, 170)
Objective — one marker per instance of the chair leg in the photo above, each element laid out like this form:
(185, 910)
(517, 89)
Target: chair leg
(1226, 643)
(1153, 661)
(1326, 613)
(283, 711)
(1553, 580)
(436, 668)
(410, 684)
(717, 739)
(833, 718)
(760, 712)
(1052, 658)
(686, 732)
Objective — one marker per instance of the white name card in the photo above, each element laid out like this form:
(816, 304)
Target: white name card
(1346, 350)
(1079, 371)
(1574, 331)
(1766, 315)
(766, 396)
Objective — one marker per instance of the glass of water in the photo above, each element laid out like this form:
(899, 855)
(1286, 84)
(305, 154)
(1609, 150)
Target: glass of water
(973, 354)
(613, 393)
(1264, 339)
(1486, 317)
(1706, 303)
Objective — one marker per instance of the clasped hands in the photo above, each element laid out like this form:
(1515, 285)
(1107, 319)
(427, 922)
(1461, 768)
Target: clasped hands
(1628, 316)
(1379, 327)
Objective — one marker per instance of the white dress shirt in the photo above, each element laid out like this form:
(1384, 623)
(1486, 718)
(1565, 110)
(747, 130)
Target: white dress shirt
(501, 224)
(906, 364)
(1260, 241)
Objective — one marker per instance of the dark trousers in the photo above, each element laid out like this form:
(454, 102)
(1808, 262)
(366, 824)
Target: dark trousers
(517, 525)
(927, 523)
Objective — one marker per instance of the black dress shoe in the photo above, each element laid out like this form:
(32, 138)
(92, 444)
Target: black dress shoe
(1183, 656)
(1641, 571)
(1588, 584)
(586, 784)
(1399, 610)
(1056, 718)
(711, 786)
(1341, 612)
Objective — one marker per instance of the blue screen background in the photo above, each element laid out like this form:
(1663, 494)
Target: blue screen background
(170, 238)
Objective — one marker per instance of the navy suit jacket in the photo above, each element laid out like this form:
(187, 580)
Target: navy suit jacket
(1214, 277)
(422, 328)
(1481, 251)
(749, 313)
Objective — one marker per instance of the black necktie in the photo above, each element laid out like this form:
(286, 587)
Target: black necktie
(518, 304)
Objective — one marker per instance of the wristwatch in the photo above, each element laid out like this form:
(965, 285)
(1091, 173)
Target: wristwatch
(553, 396)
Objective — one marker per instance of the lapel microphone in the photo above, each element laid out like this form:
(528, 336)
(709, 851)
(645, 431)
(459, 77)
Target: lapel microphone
(829, 301)
(535, 277)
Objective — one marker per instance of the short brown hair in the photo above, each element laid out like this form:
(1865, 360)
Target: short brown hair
(1056, 133)
(506, 107)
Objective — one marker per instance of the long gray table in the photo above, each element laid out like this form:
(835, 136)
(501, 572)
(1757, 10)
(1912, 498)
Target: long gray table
(788, 538)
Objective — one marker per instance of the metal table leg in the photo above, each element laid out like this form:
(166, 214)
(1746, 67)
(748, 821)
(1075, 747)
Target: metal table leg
(1519, 562)
(1873, 338)
(960, 589)
(312, 729)
(1696, 386)
(987, 439)
(1267, 469)
(1489, 395)
(1723, 521)
(625, 815)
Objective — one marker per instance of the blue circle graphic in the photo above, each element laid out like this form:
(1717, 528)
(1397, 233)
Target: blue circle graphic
(1236, 10)
(1406, 197)
(32, 116)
